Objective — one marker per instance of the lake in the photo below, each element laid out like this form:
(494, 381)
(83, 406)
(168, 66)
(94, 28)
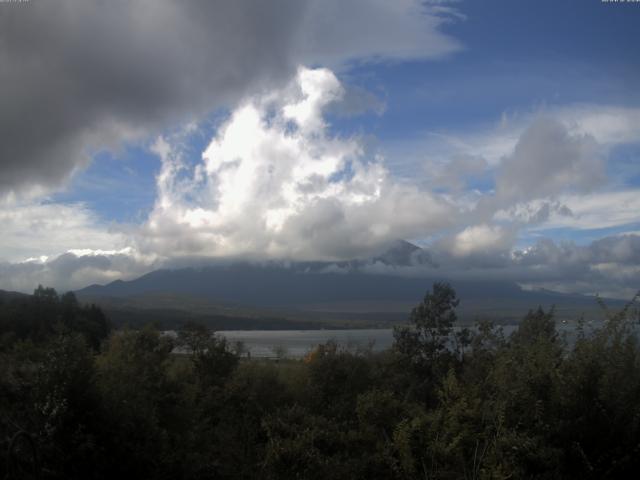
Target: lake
(297, 343)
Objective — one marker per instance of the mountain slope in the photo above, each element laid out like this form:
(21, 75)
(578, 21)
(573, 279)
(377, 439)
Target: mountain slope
(323, 291)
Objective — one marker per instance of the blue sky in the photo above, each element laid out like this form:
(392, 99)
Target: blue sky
(455, 104)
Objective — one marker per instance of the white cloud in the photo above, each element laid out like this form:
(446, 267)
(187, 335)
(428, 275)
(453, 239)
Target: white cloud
(548, 160)
(549, 167)
(608, 125)
(455, 175)
(70, 271)
(535, 214)
(481, 239)
(586, 211)
(336, 31)
(272, 183)
(65, 246)
(596, 210)
(45, 229)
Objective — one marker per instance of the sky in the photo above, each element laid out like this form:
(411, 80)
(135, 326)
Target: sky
(503, 137)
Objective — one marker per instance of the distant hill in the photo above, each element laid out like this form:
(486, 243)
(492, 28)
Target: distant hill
(309, 294)
(7, 296)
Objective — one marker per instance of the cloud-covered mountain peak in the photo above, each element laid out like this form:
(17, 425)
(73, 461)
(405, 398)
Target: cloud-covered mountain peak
(405, 254)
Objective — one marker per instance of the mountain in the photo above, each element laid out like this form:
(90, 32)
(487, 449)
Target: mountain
(332, 293)
(6, 296)
(404, 254)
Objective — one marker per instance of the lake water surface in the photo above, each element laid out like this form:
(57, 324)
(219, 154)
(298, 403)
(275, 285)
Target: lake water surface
(297, 343)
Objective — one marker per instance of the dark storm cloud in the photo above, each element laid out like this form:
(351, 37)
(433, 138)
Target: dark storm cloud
(81, 76)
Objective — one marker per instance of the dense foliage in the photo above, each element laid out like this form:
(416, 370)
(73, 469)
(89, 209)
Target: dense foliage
(78, 401)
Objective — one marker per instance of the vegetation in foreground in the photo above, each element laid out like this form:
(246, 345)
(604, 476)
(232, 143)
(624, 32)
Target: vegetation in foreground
(80, 401)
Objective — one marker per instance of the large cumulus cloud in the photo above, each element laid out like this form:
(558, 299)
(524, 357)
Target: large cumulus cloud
(36, 230)
(273, 183)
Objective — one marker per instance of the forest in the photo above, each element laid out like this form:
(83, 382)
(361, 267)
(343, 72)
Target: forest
(79, 399)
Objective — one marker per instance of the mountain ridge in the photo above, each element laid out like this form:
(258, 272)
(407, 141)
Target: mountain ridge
(329, 290)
